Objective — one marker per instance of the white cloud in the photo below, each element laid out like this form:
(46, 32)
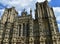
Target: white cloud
(43, 0)
(1, 12)
(40, 0)
(59, 27)
(56, 9)
(16, 2)
(49, 0)
(19, 12)
(28, 9)
(57, 14)
(19, 3)
(33, 14)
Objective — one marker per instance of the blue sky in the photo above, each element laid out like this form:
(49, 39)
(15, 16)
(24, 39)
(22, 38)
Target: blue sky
(21, 4)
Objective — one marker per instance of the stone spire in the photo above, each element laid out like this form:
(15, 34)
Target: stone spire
(46, 0)
(24, 12)
(30, 11)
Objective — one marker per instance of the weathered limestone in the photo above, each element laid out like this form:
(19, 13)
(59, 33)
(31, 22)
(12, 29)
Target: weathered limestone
(24, 29)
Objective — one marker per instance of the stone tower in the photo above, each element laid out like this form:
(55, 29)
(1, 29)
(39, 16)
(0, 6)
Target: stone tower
(48, 28)
(6, 25)
(24, 29)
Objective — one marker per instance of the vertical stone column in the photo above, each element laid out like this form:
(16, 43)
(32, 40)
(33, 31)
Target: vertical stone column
(21, 30)
(1, 32)
(42, 42)
(26, 32)
(15, 33)
(42, 38)
(38, 10)
(57, 41)
(25, 29)
(40, 25)
(52, 20)
(54, 42)
(31, 38)
(7, 32)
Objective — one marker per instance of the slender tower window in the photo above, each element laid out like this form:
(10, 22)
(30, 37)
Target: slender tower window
(27, 28)
(5, 24)
(19, 30)
(23, 29)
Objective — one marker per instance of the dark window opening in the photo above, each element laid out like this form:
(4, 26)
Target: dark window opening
(27, 28)
(19, 30)
(23, 29)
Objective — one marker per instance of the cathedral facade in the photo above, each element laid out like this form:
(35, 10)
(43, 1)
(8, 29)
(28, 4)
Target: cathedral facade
(24, 29)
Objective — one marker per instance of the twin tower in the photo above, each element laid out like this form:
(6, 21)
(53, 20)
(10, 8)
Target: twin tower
(24, 29)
